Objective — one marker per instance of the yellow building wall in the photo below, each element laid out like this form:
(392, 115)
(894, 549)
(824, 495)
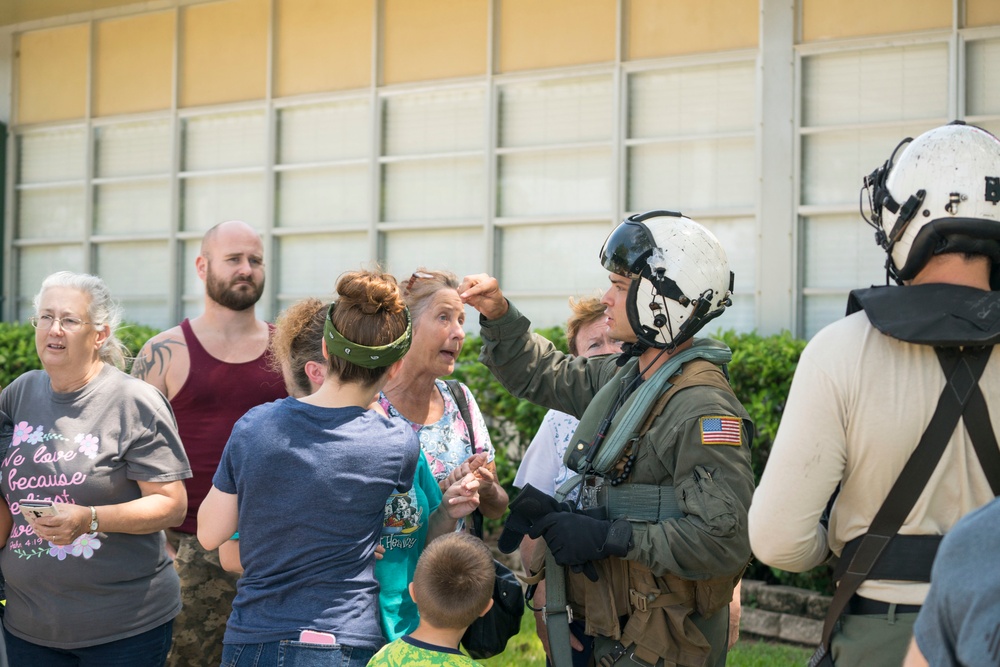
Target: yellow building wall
(52, 74)
(555, 33)
(825, 19)
(134, 64)
(434, 39)
(323, 45)
(658, 28)
(981, 13)
(224, 52)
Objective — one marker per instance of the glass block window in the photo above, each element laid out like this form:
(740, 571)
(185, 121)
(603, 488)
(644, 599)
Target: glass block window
(458, 250)
(555, 148)
(224, 141)
(134, 273)
(432, 165)
(691, 148)
(855, 108)
(982, 94)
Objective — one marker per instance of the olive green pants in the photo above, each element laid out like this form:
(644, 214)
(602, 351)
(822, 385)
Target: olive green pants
(871, 640)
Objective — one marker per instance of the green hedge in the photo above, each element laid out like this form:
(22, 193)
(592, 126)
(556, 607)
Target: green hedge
(18, 354)
(761, 374)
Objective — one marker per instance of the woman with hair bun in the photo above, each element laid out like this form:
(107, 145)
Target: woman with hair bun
(305, 480)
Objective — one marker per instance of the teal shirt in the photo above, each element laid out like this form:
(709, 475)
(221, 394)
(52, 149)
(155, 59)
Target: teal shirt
(404, 534)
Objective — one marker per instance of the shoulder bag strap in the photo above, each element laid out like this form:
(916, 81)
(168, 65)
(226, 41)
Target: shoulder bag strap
(963, 370)
(455, 387)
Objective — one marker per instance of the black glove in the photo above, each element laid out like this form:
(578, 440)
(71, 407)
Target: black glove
(577, 539)
(529, 506)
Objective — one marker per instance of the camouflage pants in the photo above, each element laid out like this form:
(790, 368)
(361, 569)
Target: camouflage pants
(207, 593)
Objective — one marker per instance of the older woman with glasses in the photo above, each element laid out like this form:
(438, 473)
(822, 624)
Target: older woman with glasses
(418, 396)
(91, 476)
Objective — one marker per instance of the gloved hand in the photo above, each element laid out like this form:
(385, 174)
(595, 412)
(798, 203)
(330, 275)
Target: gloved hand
(529, 506)
(576, 540)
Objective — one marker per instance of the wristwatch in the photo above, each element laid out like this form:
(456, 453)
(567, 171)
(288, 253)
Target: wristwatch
(93, 519)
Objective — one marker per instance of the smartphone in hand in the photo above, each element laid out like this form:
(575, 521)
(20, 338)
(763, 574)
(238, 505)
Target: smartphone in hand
(36, 509)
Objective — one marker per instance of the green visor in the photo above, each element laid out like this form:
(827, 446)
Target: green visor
(362, 355)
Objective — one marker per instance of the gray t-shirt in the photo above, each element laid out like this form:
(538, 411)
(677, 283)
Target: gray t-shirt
(88, 447)
(959, 623)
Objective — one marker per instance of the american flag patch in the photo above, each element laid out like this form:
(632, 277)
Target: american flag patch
(721, 431)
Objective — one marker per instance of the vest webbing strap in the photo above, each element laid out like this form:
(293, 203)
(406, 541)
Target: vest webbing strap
(962, 368)
(640, 502)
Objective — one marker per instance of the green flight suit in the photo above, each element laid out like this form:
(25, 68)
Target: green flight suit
(713, 482)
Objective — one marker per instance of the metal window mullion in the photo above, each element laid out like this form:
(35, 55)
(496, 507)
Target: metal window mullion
(11, 258)
(89, 251)
(175, 272)
(491, 134)
(619, 117)
(956, 68)
(270, 156)
(375, 247)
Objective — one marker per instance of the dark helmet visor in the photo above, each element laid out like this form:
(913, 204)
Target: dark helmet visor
(627, 247)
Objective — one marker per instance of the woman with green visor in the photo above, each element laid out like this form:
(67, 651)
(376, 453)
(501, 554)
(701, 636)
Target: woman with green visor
(305, 482)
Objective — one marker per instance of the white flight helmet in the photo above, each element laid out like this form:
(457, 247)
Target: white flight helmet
(940, 196)
(681, 276)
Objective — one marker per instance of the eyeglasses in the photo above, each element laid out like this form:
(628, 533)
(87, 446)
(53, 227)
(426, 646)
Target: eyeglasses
(68, 324)
(417, 275)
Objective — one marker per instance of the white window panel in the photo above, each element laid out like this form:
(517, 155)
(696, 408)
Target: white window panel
(834, 163)
(224, 141)
(741, 316)
(444, 121)
(738, 237)
(546, 311)
(133, 268)
(689, 175)
(132, 207)
(562, 258)
(461, 251)
(556, 112)
(209, 200)
(820, 310)
(133, 149)
(135, 272)
(54, 155)
(334, 196)
(324, 132)
(46, 213)
(696, 100)
(311, 264)
(35, 263)
(193, 289)
(877, 85)
(439, 189)
(840, 253)
(563, 182)
(981, 65)
(148, 312)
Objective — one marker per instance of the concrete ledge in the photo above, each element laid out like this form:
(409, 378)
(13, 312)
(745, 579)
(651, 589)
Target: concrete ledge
(783, 613)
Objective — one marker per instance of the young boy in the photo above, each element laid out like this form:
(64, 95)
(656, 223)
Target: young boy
(452, 586)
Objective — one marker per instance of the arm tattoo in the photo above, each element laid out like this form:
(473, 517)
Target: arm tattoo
(157, 352)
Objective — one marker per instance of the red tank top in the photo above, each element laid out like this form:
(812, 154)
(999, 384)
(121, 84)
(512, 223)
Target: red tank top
(212, 399)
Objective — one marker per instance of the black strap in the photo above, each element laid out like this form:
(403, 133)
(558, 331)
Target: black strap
(906, 558)
(962, 368)
(455, 387)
